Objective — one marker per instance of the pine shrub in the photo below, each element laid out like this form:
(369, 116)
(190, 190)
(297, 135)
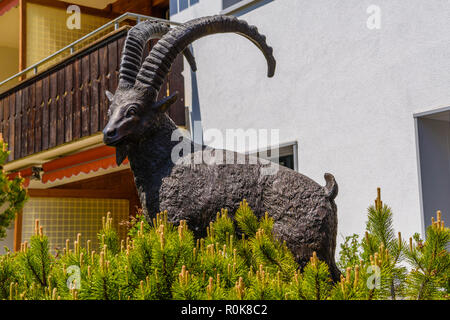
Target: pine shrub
(159, 260)
(12, 193)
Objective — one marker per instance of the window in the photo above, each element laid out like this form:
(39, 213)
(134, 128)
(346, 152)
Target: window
(287, 161)
(180, 5)
(46, 32)
(184, 4)
(433, 152)
(229, 3)
(287, 155)
(173, 7)
(64, 218)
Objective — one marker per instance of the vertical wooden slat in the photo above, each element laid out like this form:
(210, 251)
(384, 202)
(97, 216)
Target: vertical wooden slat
(31, 118)
(176, 84)
(38, 116)
(120, 44)
(85, 96)
(45, 113)
(113, 66)
(24, 124)
(104, 104)
(94, 110)
(60, 107)
(76, 107)
(68, 101)
(52, 109)
(6, 119)
(18, 124)
(119, 47)
(6, 108)
(12, 114)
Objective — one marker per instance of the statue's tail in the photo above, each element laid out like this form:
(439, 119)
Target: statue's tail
(331, 187)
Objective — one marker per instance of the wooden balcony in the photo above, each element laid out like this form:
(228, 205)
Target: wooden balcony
(67, 101)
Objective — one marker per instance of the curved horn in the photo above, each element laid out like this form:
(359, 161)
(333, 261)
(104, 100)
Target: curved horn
(158, 63)
(134, 45)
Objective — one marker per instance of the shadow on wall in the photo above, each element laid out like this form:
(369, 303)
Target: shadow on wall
(196, 116)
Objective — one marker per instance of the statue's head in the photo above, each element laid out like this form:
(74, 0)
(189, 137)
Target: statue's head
(135, 109)
(133, 112)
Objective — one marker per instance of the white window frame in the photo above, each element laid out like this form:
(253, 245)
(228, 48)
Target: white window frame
(241, 4)
(417, 117)
(283, 150)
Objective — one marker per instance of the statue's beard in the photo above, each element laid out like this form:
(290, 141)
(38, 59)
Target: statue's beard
(121, 152)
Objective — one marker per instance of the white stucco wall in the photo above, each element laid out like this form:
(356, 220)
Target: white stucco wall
(347, 94)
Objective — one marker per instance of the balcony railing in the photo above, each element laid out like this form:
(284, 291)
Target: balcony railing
(71, 47)
(67, 101)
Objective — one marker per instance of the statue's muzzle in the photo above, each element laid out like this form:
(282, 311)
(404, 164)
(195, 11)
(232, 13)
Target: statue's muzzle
(110, 136)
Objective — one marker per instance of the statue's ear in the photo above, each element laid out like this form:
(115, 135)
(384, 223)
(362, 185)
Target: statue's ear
(109, 95)
(164, 104)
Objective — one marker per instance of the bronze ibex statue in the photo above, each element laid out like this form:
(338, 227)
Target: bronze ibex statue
(304, 212)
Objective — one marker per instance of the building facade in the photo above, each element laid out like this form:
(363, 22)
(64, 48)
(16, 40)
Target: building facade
(361, 87)
(360, 91)
(53, 112)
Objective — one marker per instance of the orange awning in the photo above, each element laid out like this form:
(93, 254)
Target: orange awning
(6, 5)
(25, 173)
(91, 160)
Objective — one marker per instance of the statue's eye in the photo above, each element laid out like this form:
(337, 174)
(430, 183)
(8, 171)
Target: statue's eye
(132, 111)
